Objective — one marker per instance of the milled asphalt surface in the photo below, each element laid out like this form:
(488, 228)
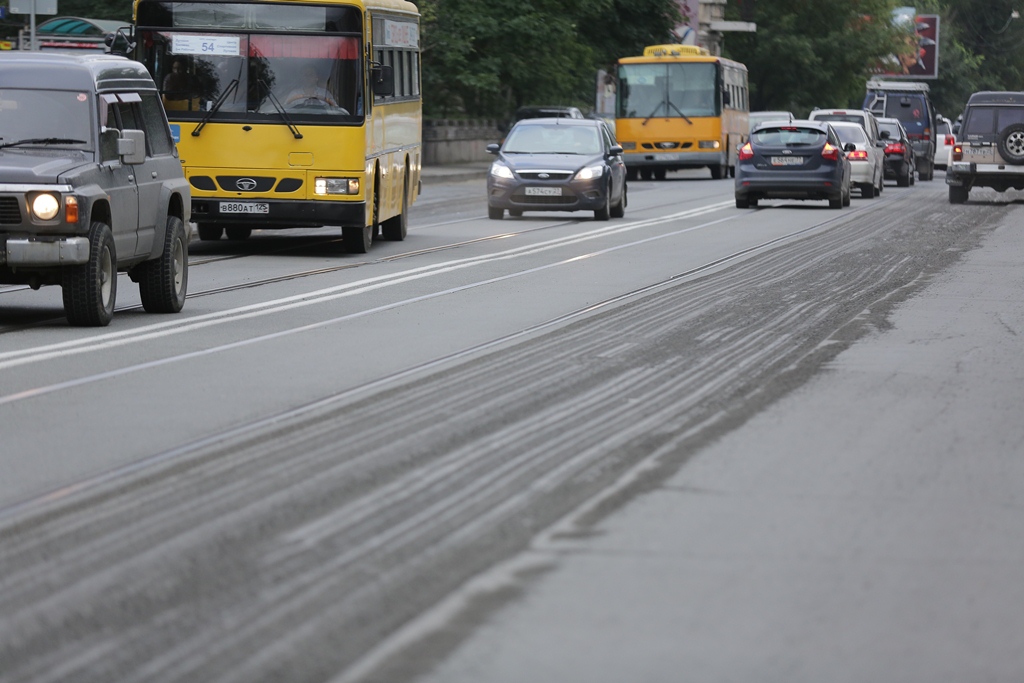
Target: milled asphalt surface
(867, 527)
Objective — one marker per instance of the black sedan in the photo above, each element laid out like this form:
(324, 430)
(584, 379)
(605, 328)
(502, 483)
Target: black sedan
(557, 164)
(794, 160)
(900, 162)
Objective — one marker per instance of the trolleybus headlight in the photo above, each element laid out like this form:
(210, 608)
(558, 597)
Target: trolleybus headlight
(500, 170)
(590, 172)
(336, 186)
(708, 144)
(45, 206)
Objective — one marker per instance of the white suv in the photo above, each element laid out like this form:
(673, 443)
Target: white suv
(990, 151)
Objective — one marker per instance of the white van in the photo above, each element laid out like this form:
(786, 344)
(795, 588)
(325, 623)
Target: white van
(865, 118)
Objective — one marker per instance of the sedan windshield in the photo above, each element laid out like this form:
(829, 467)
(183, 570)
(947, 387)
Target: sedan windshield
(553, 139)
(45, 116)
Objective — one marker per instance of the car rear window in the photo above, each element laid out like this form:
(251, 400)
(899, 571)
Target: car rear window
(891, 128)
(911, 110)
(851, 134)
(849, 118)
(788, 136)
(988, 121)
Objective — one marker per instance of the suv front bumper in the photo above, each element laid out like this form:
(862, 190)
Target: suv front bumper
(64, 251)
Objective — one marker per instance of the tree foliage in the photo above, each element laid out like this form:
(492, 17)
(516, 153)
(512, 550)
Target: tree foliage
(487, 57)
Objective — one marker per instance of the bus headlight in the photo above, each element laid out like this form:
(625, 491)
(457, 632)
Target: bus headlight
(708, 144)
(336, 186)
(45, 206)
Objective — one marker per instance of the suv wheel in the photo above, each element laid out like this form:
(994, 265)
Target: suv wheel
(89, 289)
(164, 280)
(958, 195)
(1011, 143)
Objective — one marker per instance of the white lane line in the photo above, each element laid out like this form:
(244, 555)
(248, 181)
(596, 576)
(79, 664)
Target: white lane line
(157, 330)
(40, 391)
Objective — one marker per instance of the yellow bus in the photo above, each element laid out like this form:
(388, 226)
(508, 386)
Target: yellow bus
(678, 107)
(291, 113)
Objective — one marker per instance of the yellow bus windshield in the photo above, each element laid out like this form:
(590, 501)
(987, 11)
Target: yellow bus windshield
(668, 90)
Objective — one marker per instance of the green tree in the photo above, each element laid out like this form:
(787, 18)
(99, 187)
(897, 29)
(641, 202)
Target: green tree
(485, 58)
(809, 53)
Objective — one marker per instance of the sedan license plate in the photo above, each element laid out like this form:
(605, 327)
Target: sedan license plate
(787, 161)
(545, 191)
(244, 207)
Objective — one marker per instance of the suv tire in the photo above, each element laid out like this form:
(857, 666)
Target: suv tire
(958, 195)
(164, 280)
(1011, 143)
(90, 289)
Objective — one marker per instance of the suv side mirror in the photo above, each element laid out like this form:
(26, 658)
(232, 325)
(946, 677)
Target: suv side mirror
(383, 80)
(131, 146)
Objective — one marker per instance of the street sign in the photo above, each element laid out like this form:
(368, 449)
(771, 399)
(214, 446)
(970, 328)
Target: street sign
(41, 6)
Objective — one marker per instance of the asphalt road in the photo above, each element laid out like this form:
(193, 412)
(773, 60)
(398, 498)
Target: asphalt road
(696, 438)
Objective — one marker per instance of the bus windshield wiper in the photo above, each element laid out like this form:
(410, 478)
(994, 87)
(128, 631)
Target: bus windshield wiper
(280, 110)
(216, 106)
(43, 141)
(667, 103)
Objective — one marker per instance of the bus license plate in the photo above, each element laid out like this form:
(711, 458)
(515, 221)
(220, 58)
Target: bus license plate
(545, 191)
(244, 207)
(787, 161)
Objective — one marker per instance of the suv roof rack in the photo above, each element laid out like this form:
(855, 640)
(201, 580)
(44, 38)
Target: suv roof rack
(898, 86)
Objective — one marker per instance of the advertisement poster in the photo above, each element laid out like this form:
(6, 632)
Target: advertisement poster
(917, 55)
(686, 31)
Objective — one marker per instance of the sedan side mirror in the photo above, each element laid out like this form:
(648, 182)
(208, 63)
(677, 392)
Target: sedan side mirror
(614, 150)
(493, 148)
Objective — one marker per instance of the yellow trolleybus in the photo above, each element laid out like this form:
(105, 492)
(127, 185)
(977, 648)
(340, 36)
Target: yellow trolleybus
(291, 113)
(679, 107)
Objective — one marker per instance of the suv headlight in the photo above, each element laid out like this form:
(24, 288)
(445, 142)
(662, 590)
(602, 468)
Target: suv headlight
(500, 170)
(590, 172)
(45, 206)
(336, 186)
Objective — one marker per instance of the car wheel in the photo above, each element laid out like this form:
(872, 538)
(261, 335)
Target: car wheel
(631, 174)
(238, 234)
(732, 171)
(836, 203)
(495, 214)
(1011, 143)
(867, 191)
(926, 172)
(164, 280)
(717, 172)
(90, 288)
(958, 195)
(742, 202)
(847, 197)
(619, 210)
(396, 228)
(209, 233)
(905, 179)
(881, 185)
(605, 212)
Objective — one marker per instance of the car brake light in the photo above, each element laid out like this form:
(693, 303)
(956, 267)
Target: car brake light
(857, 155)
(829, 152)
(950, 141)
(746, 152)
(895, 148)
(958, 153)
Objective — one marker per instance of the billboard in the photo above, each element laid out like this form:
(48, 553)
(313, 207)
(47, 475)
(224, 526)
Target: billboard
(916, 56)
(685, 32)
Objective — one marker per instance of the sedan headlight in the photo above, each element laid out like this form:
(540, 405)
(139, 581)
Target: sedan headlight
(500, 170)
(590, 172)
(45, 206)
(336, 186)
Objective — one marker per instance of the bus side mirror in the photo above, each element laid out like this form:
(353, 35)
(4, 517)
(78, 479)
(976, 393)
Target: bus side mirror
(118, 43)
(383, 80)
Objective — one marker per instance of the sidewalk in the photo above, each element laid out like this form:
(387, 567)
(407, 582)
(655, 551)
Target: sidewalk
(864, 528)
(454, 173)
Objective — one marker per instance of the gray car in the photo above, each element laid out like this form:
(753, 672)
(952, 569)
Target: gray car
(557, 164)
(90, 183)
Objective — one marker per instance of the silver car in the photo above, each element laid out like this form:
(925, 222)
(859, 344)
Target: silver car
(867, 170)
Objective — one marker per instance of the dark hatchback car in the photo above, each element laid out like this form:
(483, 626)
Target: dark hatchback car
(795, 160)
(557, 165)
(899, 162)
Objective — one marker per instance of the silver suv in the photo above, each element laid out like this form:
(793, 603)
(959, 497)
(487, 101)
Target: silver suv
(990, 149)
(90, 183)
